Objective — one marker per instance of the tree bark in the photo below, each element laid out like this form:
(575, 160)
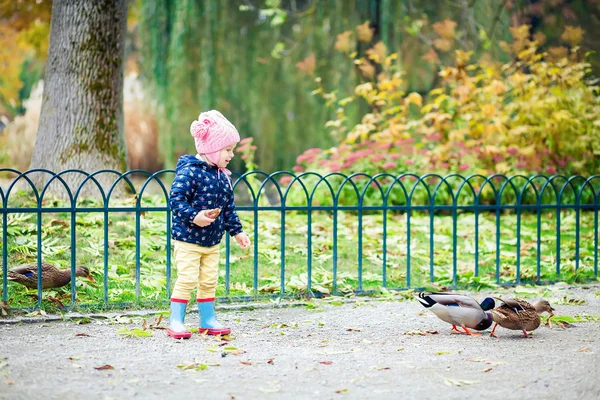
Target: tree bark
(81, 121)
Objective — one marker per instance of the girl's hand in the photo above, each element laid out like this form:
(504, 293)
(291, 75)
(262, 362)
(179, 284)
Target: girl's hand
(243, 240)
(214, 213)
(202, 219)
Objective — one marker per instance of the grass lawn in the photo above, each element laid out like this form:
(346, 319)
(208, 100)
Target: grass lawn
(260, 272)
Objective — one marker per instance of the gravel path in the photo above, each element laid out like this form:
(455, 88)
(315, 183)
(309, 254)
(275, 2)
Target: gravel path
(362, 348)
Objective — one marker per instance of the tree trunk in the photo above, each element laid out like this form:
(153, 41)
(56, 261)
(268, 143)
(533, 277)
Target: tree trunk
(81, 121)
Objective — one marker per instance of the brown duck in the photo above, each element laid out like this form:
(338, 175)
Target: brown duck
(520, 315)
(52, 277)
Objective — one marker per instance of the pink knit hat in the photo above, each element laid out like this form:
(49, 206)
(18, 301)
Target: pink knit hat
(212, 132)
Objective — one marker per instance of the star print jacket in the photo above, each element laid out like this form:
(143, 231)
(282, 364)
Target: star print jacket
(198, 186)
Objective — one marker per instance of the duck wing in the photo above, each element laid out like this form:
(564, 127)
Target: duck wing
(517, 305)
(26, 270)
(453, 300)
(516, 314)
(455, 309)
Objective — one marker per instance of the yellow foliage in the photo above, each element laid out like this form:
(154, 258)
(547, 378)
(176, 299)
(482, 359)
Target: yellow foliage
(343, 44)
(502, 168)
(443, 44)
(488, 110)
(24, 33)
(377, 53)
(532, 114)
(36, 38)
(364, 90)
(558, 52)
(445, 29)
(364, 32)
(572, 35)
(431, 57)
(11, 58)
(415, 98)
(367, 69)
(519, 33)
(307, 65)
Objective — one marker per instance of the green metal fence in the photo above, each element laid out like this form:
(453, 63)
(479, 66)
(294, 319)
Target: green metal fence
(311, 233)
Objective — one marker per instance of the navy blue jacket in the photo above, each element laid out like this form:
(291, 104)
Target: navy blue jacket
(199, 186)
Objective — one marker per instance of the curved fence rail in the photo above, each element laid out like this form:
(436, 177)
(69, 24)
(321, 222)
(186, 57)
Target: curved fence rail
(312, 233)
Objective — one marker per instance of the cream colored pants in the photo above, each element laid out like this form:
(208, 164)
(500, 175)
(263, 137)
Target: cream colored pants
(197, 267)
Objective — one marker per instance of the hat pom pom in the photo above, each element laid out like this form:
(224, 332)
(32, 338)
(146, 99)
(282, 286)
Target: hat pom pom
(199, 129)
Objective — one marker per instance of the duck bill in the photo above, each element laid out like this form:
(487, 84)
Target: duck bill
(91, 278)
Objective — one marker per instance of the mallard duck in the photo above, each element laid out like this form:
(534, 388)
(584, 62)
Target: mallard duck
(52, 277)
(457, 309)
(520, 315)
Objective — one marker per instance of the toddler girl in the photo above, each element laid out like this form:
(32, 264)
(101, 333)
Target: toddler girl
(202, 205)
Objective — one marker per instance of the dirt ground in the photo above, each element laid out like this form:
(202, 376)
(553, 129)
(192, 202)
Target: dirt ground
(330, 349)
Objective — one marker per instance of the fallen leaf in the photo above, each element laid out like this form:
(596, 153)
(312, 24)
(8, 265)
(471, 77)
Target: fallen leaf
(133, 332)
(326, 362)
(376, 368)
(421, 333)
(9, 382)
(486, 361)
(344, 390)
(81, 334)
(103, 367)
(352, 329)
(584, 349)
(458, 382)
(73, 358)
(247, 363)
(198, 366)
(271, 361)
(157, 323)
(488, 369)
(570, 301)
(439, 353)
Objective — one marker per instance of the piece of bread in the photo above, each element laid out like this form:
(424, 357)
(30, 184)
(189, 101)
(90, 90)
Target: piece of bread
(214, 213)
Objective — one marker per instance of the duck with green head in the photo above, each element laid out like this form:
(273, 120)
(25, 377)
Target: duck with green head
(459, 310)
(52, 277)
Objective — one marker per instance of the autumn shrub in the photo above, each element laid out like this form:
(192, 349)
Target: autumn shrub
(141, 130)
(18, 139)
(538, 114)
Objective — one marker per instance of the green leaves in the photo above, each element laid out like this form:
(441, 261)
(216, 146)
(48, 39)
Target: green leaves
(197, 366)
(133, 332)
(121, 254)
